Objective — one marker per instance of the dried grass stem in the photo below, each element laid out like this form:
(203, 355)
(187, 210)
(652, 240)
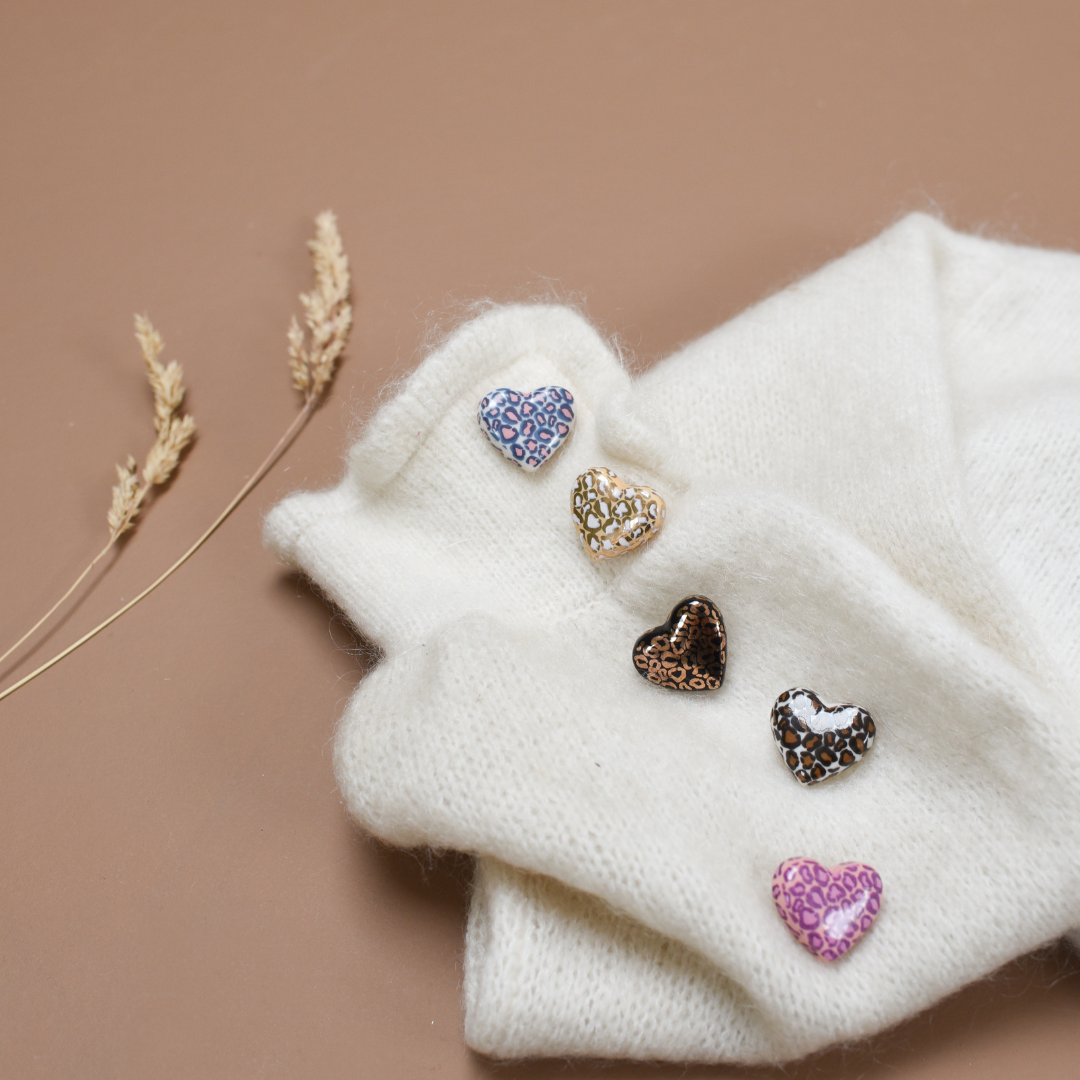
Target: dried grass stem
(328, 319)
(174, 435)
(282, 445)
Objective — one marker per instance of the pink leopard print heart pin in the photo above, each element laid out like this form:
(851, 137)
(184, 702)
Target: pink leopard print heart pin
(828, 909)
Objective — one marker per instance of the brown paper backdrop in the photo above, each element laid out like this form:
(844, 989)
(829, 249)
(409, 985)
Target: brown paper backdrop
(180, 892)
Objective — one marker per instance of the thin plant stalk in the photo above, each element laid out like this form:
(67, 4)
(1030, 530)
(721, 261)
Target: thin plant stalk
(329, 320)
(283, 444)
(77, 582)
(174, 436)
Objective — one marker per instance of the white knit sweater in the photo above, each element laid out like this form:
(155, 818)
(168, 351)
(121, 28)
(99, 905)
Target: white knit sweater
(876, 475)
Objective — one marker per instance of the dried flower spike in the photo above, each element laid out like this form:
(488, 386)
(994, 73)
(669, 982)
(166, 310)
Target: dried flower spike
(123, 496)
(174, 435)
(329, 320)
(328, 313)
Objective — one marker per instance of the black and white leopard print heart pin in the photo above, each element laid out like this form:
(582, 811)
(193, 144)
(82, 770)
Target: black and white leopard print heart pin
(817, 740)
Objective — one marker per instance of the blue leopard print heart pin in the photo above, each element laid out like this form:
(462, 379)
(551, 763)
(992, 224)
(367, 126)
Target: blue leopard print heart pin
(527, 428)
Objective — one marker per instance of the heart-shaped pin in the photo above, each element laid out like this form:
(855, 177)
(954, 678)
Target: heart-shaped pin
(817, 740)
(689, 651)
(828, 909)
(527, 428)
(614, 517)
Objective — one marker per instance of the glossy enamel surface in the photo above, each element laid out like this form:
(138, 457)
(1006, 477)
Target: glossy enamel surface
(527, 428)
(689, 651)
(817, 740)
(827, 909)
(612, 516)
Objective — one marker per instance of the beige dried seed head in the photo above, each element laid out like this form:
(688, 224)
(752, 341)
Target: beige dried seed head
(125, 498)
(174, 433)
(167, 382)
(165, 454)
(298, 362)
(331, 314)
(168, 386)
(327, 312)
(149, 340)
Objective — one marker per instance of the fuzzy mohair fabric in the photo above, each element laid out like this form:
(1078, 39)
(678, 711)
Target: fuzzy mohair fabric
(876, 475)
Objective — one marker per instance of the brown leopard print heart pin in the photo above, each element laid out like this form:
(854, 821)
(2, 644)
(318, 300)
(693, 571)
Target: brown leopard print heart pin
(689, 651)
(817, 740)
(613, 517)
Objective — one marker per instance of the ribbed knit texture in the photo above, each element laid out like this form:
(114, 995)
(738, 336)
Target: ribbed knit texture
(875, 474)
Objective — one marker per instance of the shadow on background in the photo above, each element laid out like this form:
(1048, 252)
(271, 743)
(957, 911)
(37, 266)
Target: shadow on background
(34, 651)
(352, 655)
(438, 881)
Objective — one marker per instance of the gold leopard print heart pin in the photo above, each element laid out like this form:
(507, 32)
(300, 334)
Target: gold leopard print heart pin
(613, 517)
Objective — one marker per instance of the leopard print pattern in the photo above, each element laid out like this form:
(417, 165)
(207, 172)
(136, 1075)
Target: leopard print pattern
(612, 517)
(827, 909)
(817, 740)
(527, 428)
(689, 651)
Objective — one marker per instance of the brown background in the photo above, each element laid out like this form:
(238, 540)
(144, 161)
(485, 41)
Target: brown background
(180, 892)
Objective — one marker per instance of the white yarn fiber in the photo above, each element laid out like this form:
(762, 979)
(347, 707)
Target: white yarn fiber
(876, 475)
